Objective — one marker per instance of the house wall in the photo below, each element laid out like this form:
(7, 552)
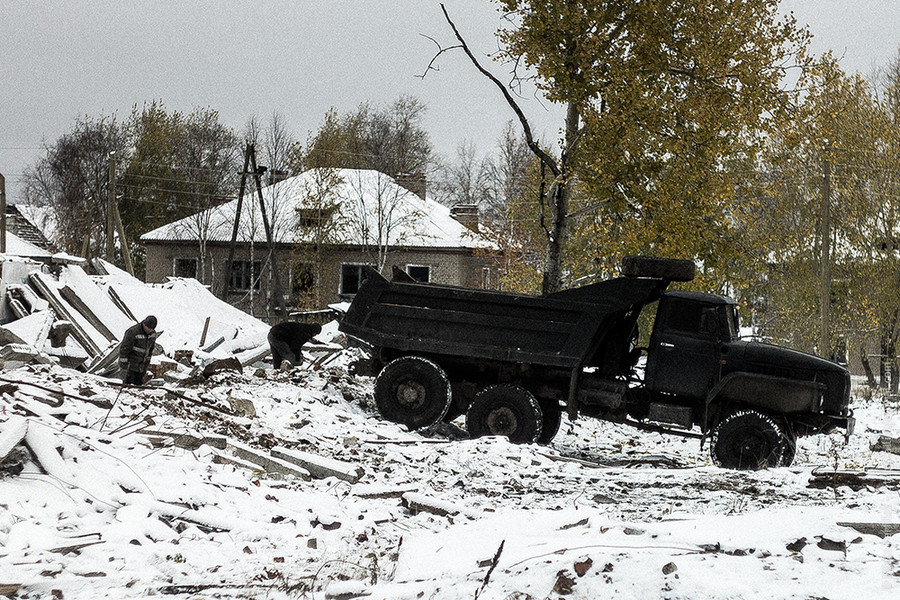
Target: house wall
(447, 267)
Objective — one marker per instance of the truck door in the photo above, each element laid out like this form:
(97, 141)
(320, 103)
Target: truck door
(683, 357)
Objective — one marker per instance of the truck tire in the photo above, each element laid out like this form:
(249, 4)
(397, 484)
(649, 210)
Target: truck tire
(672, 269)
(551, 420)
(788, 446)
(746, 440)
(507, 410)
(413, 391)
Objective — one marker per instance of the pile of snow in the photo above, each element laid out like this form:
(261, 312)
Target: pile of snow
(91, 507)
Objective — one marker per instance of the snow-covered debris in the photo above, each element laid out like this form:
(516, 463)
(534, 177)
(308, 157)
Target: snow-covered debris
(78, 320)
(104, 504)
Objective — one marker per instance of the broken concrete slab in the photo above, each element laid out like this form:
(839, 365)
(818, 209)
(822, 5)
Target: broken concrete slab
(189, 440)
(15, 355)
(417, 502)
(882, 530)
(12, 434)
(887, 444)
(267, 462)
(320, 467)
(32, 329)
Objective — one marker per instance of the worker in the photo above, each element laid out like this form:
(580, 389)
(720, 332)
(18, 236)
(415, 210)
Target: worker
(286, 341)
(136, 349)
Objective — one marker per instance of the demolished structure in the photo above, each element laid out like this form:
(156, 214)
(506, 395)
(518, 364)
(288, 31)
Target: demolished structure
(53, 311)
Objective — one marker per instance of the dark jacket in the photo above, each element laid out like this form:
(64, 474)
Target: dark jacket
(136, 348)
(294, 334)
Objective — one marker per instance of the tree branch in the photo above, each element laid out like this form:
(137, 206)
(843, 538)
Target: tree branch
(434, 58)
(529, 138)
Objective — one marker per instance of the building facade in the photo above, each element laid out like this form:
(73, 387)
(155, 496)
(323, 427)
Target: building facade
(325, 228)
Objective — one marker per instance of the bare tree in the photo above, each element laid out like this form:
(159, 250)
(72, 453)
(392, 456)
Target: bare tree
(380, 215)
(72, 178)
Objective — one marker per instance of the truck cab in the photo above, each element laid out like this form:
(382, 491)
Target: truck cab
(699, 372)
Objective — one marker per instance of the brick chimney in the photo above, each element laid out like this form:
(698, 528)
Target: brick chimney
(414, 182)
(467, 214)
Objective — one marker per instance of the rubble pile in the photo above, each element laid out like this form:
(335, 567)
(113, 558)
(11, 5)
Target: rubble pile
(61, 315)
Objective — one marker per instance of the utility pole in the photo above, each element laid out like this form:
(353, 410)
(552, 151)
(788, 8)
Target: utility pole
(2, 214)
(110, 206)
(276, 278)
(825, 292)
(226, 285)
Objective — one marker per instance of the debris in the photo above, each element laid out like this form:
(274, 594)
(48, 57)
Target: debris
(189, 441)
(226, 364)
(582, 567)
(882, 530)
(887, 444)
(797, 546)
(13, 433)
(267, 462)
(417, 502)
(854, 479)
(320, 466)
(564, 584)
(832, 545)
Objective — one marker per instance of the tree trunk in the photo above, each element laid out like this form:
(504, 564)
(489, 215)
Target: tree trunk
(561, 194)
(864, 358)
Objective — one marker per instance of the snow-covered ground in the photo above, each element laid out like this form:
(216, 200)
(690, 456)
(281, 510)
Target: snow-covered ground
(605, 511)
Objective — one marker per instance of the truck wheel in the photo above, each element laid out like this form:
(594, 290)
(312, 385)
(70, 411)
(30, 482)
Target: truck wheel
(673, 269)
(507, 410)
(788, 446)
(413, 391)
(551, 420)
(746, 440)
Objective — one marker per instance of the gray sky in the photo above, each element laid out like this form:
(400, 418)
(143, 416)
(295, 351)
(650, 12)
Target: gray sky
(64, 59)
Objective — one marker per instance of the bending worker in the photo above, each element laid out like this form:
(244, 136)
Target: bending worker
(286, 341)
(136, 349)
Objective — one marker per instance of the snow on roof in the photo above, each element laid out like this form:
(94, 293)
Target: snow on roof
(41, 218)
(16, 246)
(371, 208)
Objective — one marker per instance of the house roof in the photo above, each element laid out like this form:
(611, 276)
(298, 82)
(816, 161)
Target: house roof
(34, 224)
(16, 246)
(369, 208)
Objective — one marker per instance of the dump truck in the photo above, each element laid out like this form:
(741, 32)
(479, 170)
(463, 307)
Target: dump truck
(514, 363)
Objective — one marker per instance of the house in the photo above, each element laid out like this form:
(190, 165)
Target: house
(327, 225)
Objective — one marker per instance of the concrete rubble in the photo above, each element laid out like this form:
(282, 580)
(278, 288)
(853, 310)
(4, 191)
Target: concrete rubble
(58, 313)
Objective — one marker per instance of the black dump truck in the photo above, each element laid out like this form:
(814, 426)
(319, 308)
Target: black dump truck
(511, 363)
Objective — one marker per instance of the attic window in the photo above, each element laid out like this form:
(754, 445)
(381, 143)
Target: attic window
(310, 218)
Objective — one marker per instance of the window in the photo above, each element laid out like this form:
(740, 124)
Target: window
(692, 318)
(352, 277)
(303, 279)
(310, 218)
(245, 274)
(421, 273)
(185, 267)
